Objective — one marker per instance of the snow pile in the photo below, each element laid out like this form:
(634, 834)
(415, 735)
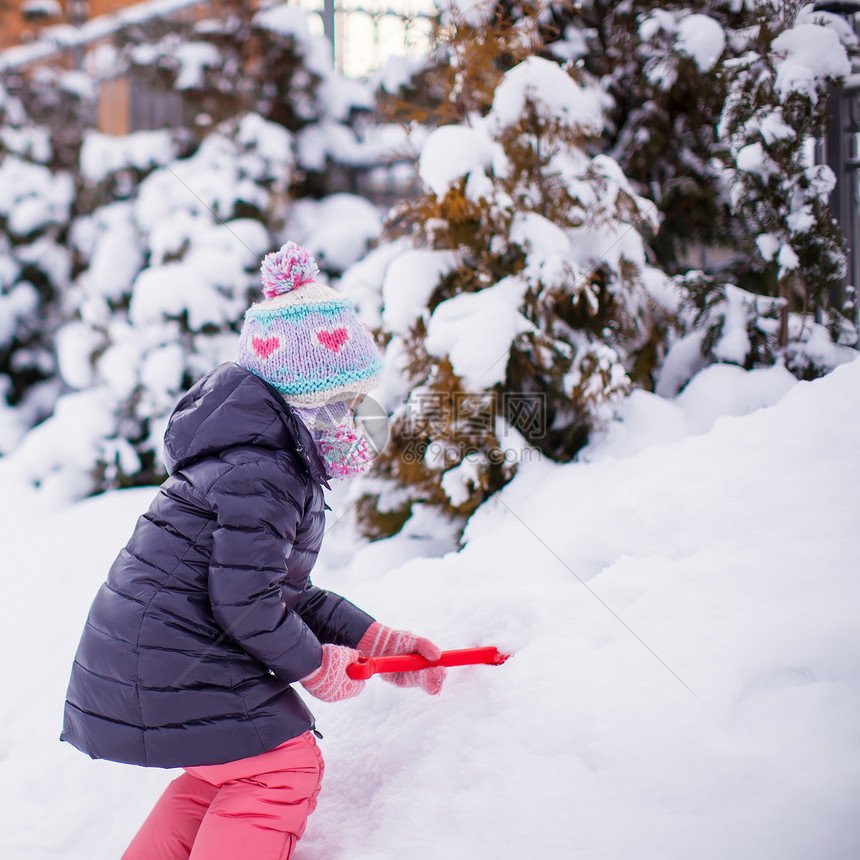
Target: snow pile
(409, 281)
(721, 563)
(453, 152)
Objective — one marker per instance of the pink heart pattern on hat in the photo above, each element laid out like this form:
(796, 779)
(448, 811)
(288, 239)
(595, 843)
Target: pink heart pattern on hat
(334, 339)
(264, 347)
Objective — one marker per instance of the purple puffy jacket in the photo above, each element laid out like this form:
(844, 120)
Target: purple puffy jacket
(208, 615)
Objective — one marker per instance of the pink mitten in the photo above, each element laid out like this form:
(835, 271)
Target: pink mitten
(380, 641)
(330, 683)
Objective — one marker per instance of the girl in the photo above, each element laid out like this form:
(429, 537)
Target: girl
(208, 616)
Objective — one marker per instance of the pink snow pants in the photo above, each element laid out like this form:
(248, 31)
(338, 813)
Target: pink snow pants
(255, 807)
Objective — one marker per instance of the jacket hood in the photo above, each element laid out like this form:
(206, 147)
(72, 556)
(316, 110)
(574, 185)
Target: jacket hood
(231, 407)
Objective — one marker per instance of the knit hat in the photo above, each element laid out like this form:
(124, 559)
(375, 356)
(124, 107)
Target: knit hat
(305, 338)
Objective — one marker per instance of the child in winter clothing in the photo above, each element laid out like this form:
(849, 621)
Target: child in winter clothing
(208, 616)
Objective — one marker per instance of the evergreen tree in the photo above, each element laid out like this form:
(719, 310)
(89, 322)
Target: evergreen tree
(774, 110)
(525, 314)
(661, 62)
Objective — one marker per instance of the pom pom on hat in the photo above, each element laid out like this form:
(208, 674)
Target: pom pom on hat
(286, 269)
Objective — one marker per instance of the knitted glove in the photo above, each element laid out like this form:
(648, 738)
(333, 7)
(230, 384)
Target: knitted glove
(381, 641)
(330, 683)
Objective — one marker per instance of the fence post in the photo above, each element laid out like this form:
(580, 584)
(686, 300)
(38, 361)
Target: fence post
(842, 154)
(328, 25)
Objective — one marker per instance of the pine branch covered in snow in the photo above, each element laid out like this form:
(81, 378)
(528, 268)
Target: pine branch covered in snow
(661, 63)
(775, 107)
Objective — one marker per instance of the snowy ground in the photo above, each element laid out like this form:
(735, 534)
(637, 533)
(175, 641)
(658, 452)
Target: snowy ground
(686, 679)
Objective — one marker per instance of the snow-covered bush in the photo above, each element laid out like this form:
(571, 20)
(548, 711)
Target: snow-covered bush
(513, 302)
(715, 106)
(165, 278)
(720, 323)
(661, 62)
(165, 230)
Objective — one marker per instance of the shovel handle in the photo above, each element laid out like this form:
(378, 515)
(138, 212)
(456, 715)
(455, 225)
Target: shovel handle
(367, 666)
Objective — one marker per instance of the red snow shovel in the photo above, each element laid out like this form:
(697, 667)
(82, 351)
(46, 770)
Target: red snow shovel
(367, 666)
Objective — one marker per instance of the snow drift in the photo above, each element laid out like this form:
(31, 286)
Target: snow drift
(685, 678)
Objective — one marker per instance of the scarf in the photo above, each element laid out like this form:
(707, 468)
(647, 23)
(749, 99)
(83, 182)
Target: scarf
(344, 453)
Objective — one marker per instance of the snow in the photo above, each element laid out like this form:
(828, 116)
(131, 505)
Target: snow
(774, 127)
(726, 389)
(697, 553)
(336, 95)
(397, 72)
(768, 245)
(49, 453)
(753, 158)
(53, 40)
(453, 152)
(660, 19)
(733, 345)
(174, 289)
(475, 13)
(316, 143)
(227, 168)
(49, 257)
(839, 23)
(553, 93)
(116, 257)
(194, 58)
(808, 53)
(16, 305)
(30, 143)
(336, 230)
(76, 344)
(573, 47)
(702, 38)
(33, 196)
(48, 8)
(458, 483)
(284, 20)
(538, 236)
(787, 259)
(410, 280)
(475, 332)
(363, 281)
